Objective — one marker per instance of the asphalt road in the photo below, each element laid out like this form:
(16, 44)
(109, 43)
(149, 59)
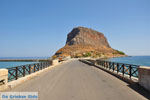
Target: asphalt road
(75, 80)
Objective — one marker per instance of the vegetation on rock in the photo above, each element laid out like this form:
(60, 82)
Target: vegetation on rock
(120, 52)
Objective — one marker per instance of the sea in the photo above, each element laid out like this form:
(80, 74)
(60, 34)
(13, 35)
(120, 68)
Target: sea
(6, 64)
(135, 60)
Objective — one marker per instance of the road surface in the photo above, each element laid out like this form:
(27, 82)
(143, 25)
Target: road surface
(75, 80)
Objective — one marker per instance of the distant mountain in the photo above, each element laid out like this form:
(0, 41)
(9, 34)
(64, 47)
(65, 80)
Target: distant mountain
(85, 42)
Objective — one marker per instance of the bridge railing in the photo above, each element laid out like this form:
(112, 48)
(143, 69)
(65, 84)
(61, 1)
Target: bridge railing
(124, 69)
(129, 70)
(15, 73)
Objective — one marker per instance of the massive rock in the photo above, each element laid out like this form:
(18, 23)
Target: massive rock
(84, 42)
(85, 36)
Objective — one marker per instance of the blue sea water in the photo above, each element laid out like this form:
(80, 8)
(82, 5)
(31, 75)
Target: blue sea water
(24, 57)
(136, 60)
(13, 64)
(4, 64)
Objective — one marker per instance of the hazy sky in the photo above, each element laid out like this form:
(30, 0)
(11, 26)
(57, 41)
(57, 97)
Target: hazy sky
(40, 27)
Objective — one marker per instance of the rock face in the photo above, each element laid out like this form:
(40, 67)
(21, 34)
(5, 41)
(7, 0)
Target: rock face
(85, 36)
(85, 42)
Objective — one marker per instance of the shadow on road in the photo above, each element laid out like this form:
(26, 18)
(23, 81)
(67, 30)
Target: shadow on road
(136, 87)
(133, 85)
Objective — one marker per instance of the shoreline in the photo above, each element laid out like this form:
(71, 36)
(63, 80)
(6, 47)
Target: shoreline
(120, 56)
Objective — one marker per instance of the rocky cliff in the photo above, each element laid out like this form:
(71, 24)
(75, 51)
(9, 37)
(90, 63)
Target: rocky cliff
(85, 36)
(85, 42)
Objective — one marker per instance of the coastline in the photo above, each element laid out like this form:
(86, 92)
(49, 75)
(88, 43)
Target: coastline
(118, 56)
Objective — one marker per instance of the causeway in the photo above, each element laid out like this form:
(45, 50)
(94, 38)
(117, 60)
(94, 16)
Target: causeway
(74, 80)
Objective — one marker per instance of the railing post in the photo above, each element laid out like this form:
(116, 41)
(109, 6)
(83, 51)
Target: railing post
(113, 67)
(16, 73)
(130, 71)
(109, 65)
(98, 62)
(45, 64)
(24, 71)
(123, 69)
(117, 67)
(41, 65)
(104, 64)
(48, 64)
(34, 67)
(29, 69)
(38, 66)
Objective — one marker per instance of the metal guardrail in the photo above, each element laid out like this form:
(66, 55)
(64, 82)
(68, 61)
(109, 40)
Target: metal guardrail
(124, 69)
(20, 71)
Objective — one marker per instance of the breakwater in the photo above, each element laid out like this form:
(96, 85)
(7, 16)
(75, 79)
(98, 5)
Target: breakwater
(24, 60)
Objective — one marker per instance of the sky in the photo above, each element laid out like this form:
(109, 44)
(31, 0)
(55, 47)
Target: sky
(38, 28)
